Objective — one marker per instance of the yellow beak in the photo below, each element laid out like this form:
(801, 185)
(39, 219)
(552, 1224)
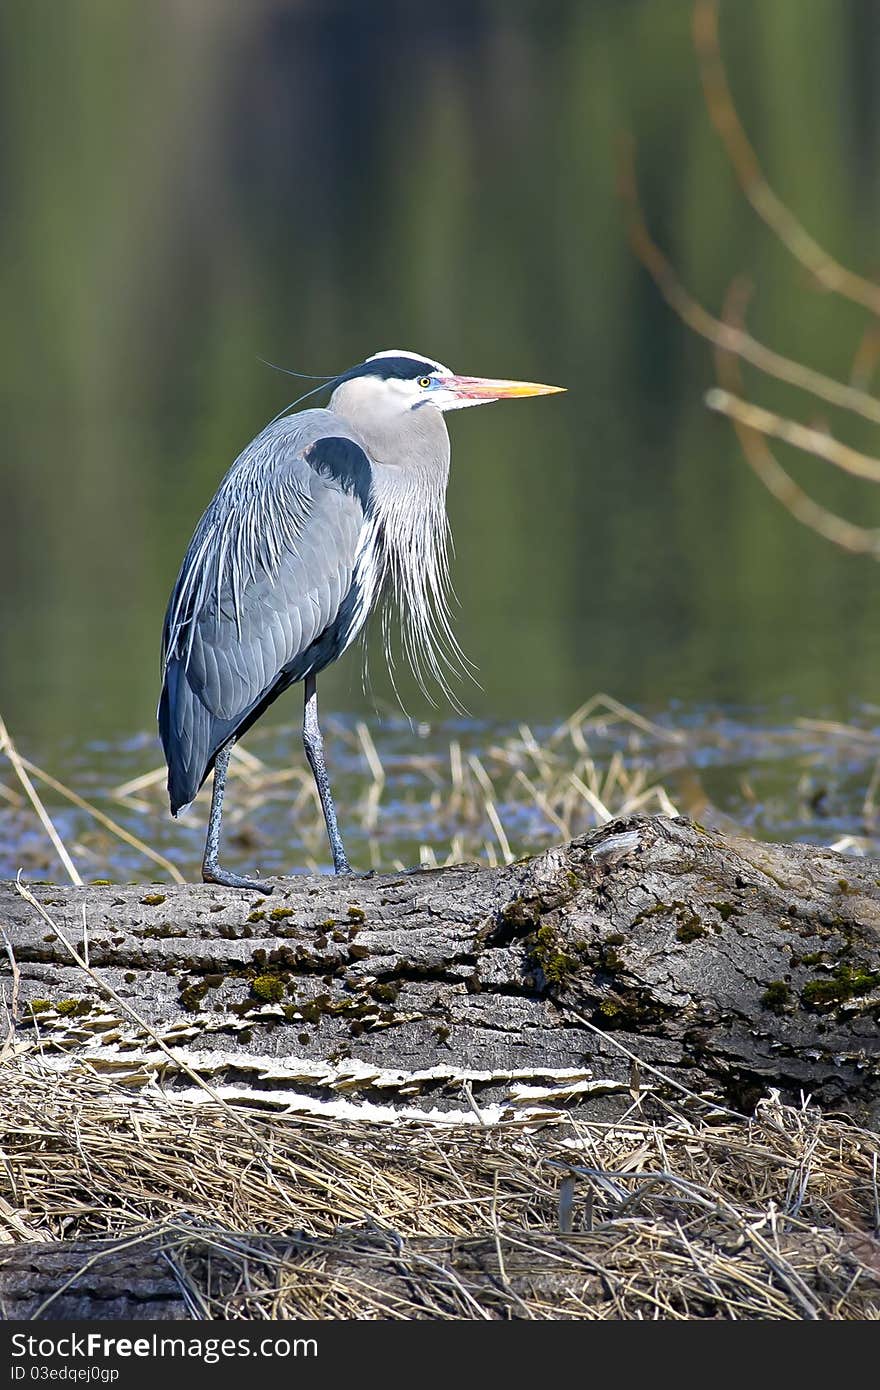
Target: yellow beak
(484, 388)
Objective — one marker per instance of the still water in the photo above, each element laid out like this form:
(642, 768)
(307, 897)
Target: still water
(193, 185)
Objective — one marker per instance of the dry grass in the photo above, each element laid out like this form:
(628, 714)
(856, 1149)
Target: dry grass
(474, 802)
(436, 799)
(421, 795)
(772, 1217)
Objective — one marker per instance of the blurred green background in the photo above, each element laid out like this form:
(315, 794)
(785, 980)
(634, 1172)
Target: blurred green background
(190, 185)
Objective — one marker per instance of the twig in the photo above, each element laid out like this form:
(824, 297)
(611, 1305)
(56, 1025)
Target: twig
(647, 1066)
(859, 540)
(368, 747)
(722, 333)
(503, 842)
(608, 705)
(8, 747)
(467, 1092)
(601, 810)
(139, 784)
(828, 272)
(115, 829)
(12, 1010)
(16, 973)
(816, 442)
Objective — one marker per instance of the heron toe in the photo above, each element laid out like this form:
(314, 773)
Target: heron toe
(229, 880)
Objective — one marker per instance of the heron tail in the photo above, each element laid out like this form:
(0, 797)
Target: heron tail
(190, 737)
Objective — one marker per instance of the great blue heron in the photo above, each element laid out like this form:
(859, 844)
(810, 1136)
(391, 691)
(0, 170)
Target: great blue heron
(320, 512)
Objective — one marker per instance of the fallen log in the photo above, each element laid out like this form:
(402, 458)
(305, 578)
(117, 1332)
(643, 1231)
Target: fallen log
(169, 1277)
(612, 1272)
(649, 956)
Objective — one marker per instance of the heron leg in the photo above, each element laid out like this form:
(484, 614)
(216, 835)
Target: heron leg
(313, 742)
(211, 870)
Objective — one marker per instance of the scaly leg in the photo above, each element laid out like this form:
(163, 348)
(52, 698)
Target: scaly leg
(211, 870)
(314, 745)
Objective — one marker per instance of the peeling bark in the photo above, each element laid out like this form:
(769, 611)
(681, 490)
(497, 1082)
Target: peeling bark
(732, 966)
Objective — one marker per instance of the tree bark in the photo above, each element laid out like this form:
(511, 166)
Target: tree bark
(728, 965)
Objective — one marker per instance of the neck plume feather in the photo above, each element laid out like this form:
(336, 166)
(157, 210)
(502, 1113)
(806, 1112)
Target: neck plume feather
(410, 510)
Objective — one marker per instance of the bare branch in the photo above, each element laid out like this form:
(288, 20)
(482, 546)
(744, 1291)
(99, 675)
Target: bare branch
(858, 539)
(827, 272)
(722, 334)
(817, 442)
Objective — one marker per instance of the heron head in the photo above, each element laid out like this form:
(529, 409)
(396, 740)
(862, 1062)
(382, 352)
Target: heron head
(394, 382)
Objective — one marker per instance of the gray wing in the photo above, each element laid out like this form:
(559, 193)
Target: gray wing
(266, 577)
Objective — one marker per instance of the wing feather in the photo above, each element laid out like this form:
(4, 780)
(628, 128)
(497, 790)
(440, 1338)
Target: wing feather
(267, 574)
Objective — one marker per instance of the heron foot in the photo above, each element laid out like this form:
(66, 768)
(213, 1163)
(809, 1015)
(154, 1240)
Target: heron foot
(214, 874)
(342, 866)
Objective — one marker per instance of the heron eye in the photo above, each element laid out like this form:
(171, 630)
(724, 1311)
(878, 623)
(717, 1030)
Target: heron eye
(424, 382)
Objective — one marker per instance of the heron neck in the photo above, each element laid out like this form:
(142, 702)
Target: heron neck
(410, 471)
(412, 449)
